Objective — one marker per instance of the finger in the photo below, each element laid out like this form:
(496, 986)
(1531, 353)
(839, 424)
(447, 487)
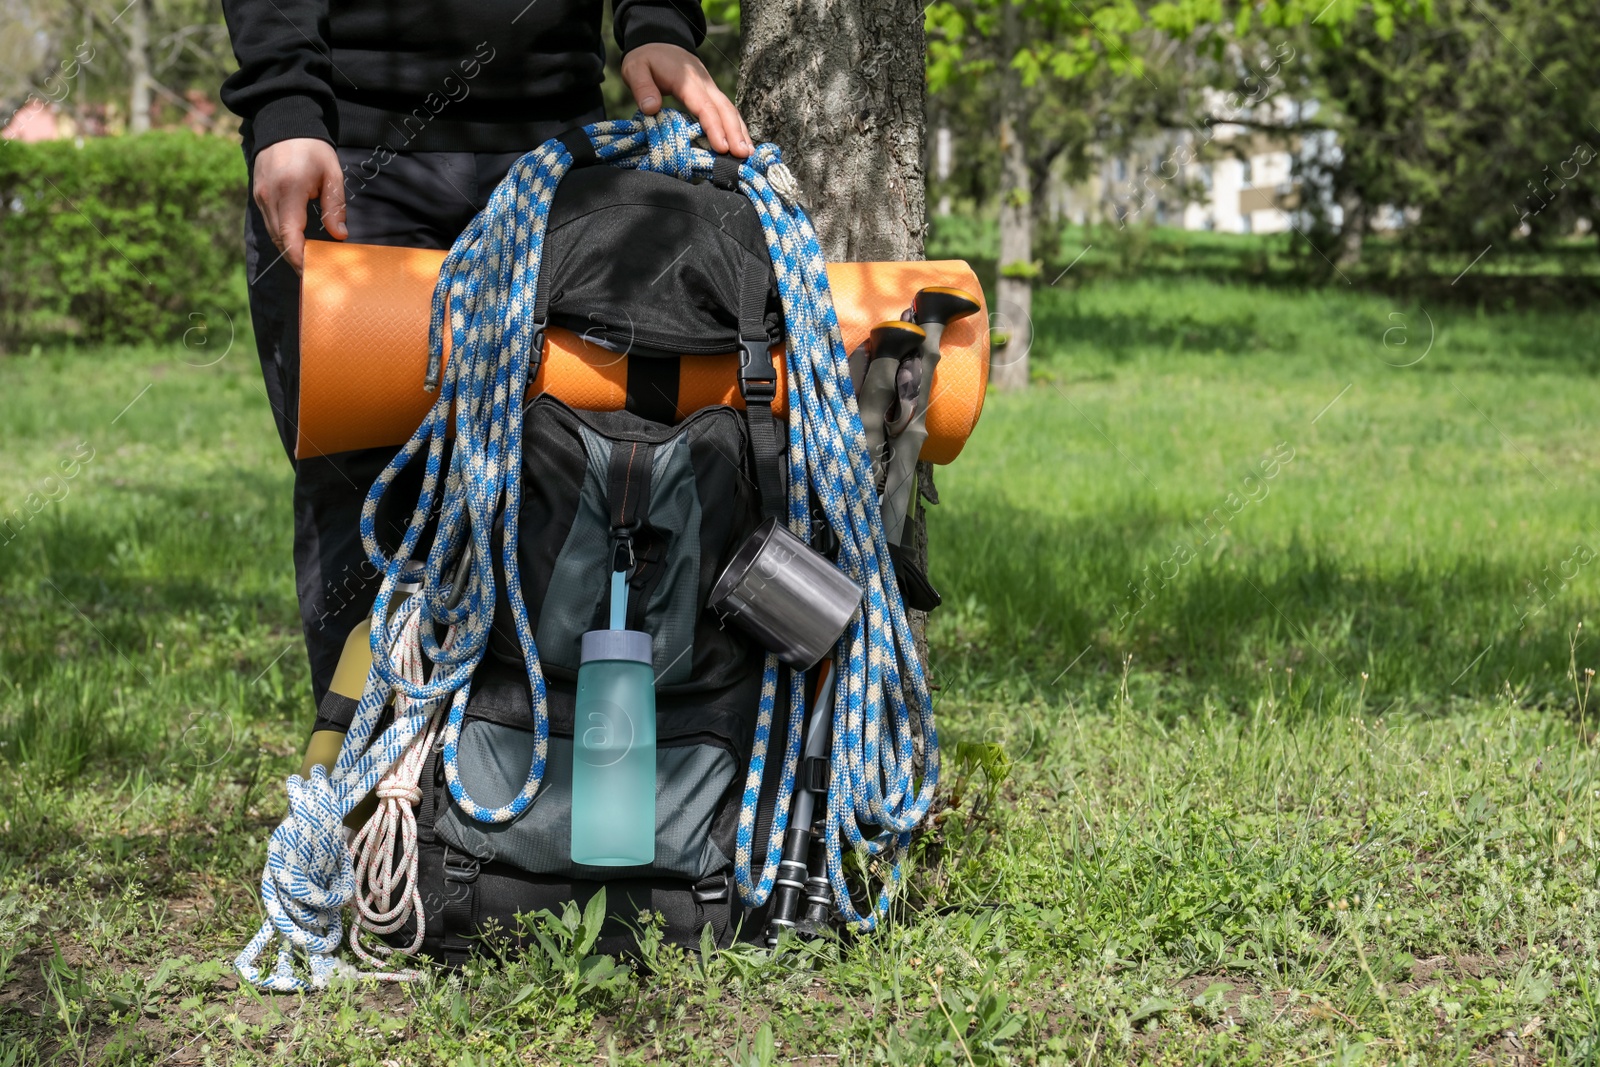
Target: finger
(738, 132)
(331, 198)
(643, 85)
(291, 231)
(703, 106)
(269, 214)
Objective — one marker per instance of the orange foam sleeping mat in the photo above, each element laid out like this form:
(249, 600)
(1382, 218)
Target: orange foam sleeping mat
(364, 349)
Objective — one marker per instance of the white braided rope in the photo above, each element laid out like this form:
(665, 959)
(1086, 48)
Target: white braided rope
(386, 893)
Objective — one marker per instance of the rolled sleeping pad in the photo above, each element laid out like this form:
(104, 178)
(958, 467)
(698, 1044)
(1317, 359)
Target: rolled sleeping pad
(364, 349)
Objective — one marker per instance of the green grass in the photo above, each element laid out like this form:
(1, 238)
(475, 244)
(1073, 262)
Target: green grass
(1409, 510)
(1283, 808)
(1564, 273)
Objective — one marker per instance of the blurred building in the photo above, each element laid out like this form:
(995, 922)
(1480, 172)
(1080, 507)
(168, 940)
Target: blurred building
(41, 120)
(38, 120)
(1225, 177)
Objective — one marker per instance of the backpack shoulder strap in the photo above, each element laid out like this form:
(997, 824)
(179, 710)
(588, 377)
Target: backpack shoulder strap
(758, 384)
(577, 144)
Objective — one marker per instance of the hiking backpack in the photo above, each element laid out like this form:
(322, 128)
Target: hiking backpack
(662, 271)
(664, 260)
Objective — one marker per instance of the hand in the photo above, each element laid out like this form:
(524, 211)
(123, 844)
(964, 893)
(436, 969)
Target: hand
(654, 69)
(287, 175)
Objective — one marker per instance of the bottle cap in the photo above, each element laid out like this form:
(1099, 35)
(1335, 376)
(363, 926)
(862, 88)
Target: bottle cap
(617, 644)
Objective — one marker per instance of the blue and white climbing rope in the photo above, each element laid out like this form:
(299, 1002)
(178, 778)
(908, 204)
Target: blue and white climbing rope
(310, 874)
(885, 754)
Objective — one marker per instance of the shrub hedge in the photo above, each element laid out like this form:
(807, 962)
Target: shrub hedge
(119, 238)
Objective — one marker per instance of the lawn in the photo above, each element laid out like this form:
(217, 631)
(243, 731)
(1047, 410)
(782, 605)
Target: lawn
(1263, 689)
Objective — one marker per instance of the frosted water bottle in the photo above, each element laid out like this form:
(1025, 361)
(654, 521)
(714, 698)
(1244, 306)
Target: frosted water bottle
(614, 751)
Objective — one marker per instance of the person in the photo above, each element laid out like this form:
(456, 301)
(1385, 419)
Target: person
(397, 119)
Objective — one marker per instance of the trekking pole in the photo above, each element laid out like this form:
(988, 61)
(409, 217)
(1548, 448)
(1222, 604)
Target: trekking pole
(818, 914)
(932, 309)
(794, 878)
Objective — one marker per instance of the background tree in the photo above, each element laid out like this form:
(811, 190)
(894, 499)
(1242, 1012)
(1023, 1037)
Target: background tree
(1058, 76)
(1476, 121)
(1471, 123)
(146, 63)
(25, 56)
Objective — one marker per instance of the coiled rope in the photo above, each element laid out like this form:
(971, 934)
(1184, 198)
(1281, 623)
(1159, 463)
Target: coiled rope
(387, 894)
(883, 723)
(310, 874)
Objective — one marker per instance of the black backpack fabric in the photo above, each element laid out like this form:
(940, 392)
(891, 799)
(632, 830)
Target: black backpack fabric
(648, 264)
(686, 498)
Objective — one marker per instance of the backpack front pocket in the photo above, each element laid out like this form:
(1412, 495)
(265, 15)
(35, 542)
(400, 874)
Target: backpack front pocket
(687, 499)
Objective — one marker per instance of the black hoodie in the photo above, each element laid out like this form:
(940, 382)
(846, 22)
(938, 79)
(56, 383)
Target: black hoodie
(432, 75)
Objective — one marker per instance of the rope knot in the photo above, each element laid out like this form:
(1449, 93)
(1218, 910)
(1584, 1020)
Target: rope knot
(768, 162)
(766, 156)
(784, 182)
(392, 790)
(313, 869)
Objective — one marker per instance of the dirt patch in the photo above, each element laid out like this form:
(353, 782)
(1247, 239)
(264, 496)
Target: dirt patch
(1433, 969)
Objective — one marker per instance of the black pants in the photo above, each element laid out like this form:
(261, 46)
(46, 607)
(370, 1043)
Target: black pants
(420, 200)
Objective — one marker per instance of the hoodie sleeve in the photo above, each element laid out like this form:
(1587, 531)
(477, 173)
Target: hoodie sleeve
(679, 22)
(283, 87)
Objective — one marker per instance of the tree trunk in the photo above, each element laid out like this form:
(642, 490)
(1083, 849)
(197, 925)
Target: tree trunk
(839, 86)
(1352, 229)
(1014, 306)
(944, 161)
(141, 85)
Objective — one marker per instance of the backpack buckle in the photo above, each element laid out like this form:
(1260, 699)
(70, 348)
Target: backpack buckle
(623, 557)
(814, 774)
(713, 889)
(535, 351)
(758, 378)
(460, 867)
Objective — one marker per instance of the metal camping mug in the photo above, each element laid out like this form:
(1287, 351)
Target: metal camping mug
(787, 595)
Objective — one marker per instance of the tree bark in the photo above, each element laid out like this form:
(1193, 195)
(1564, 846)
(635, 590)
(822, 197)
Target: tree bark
(140, 84)
(1014, 306)
(839, 86)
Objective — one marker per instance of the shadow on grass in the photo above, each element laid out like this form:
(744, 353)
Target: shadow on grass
(1258, 321)
(135, 627)
(144, 555)
(1119, 335)
(1032, 596)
